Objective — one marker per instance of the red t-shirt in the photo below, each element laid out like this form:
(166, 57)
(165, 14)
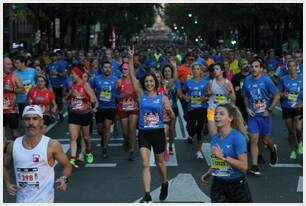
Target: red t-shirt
(127, 96)
(9, 98)
(42, 97)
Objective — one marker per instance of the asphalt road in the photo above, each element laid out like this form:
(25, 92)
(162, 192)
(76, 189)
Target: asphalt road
(118, 180)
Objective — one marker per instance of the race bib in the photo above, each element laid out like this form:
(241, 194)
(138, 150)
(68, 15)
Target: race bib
(76, 104)
(292, 96)
(196, 100)
(151, 120)
(220, 168)
(105, 95)
(28, 178)
(219, 98)
(128, 105)
(260, 106)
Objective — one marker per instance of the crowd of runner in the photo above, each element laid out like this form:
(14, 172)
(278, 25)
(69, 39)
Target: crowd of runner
(227, 97)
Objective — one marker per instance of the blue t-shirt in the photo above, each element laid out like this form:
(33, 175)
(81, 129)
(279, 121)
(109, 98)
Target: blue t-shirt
(68, 83)
(106, 92)
(196, 90)
(140, 72)
(27, 77)
(294, 88)
(173, 92)
(115, 69)
(272, 63)
(54, 68)
(258, 91)
(151, 112)
(232, 146)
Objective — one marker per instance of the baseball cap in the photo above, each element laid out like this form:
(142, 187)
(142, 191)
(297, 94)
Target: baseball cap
(32, 109)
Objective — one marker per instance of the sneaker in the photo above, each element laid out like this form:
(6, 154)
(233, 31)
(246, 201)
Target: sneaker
(261, 160)
(171, 152)
(293, 155)
(73, 163)
(81, 157)
(166, 155)
(254, 170)
(273, 155)
(132, 156)
(189, 140)
(300, 148)
(164, 191)
(199, 155)
(89, 158)
(146, 199)
(104, 153)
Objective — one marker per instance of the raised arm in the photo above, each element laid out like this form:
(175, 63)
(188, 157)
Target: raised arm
(135, 82)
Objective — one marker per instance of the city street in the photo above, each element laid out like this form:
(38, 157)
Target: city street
(119, 180)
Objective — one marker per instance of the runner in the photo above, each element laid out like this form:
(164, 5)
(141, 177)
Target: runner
(105, 88)
(197, 106)
(79, 113)
(12, 85)
(151, 131)
(127, 110)
(291, 87)
(44, 97)
(219, 90)
(229, 158)
(257, 89)
(33, 156)
(27, 75)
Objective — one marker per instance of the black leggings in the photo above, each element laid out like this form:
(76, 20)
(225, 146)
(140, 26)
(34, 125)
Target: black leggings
(195, 122)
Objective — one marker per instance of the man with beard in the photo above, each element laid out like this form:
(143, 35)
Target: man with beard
(34, 156)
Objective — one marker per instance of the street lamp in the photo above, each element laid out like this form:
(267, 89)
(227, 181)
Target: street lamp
(190, 15)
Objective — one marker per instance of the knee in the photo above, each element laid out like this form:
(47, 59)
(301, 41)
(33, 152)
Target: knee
(160, 164)
(254, 140)
(146, 165)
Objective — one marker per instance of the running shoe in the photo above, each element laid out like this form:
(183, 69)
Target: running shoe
(104, 153)
(132, 156)
(89, 158)
(261, 160)
(73, 163)
(166, 155)
(164, 191)
(300, 148)
(199, 155)
(273, 155)
(146, 199)
(171, 152)
(293, 155)
(81, 157)
(254, 170)
(189, 140)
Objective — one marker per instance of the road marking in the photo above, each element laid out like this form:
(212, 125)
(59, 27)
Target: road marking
(207, 152)
(182, 188)
(300, 184)
(66, 147)
(112, 145)
(181, 119)
(55, 123)
(171, 162)
(287, 165)
(101, 165)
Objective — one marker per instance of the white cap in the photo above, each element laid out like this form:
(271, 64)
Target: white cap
(32, 109)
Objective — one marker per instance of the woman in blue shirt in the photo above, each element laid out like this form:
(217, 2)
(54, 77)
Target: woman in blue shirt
(151, 129)
(229, 160)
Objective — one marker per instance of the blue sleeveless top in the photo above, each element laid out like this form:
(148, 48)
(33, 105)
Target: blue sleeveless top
(151, 112)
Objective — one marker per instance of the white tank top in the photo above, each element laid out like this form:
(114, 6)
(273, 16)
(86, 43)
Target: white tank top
(219, 94)
(34, 176)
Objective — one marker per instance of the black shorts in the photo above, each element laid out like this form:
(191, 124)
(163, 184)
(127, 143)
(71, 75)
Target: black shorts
(289, 113)
(48, 120)
(79, 119)
(21, 107)
(230, 191)
(58, 92)
(11, 120)
(152, 138)
(103, 114)
(175, 110)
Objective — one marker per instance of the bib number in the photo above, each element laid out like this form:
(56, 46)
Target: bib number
(105, 95)
(76, 104)
(220, 168)
(196, 100)
(28, 177)
(128, 105)
(219, 98)
(260, 106)
(151, 120)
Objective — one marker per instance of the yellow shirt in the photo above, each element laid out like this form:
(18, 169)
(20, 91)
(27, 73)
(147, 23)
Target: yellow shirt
(234, 66)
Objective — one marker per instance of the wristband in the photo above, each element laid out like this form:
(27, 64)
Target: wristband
(224, 159)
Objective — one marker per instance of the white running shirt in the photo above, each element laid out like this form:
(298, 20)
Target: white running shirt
(34, 176)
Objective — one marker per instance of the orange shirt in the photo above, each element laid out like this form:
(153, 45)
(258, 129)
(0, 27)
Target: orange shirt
(182, 72)
(209, 61)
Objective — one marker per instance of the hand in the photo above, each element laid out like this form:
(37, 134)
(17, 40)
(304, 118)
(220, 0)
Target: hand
(95, 109)
(216, 150)
(205, 177)
(61, 185)
(131, 51)
(11, 189)
(54, 109)
(266, 113)
(250, 112)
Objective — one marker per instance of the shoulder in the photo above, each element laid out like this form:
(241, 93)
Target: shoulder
(237, 135)
(54, 145)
